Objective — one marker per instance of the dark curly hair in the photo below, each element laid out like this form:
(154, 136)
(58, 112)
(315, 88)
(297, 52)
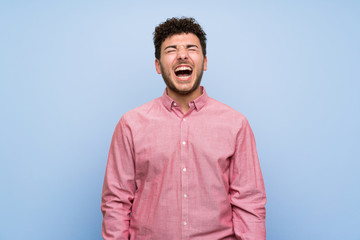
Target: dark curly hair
(174, 26)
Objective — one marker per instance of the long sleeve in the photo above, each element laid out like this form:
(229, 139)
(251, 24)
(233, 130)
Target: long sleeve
(247, 189)
(119, 185)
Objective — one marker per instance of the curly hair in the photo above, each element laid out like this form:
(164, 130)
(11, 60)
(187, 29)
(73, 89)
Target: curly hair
(174, 26)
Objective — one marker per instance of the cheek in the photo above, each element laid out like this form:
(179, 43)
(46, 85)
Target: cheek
(195, 58)
(167, 65)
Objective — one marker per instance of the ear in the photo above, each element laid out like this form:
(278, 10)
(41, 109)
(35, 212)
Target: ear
(205, 63)
(157, 66)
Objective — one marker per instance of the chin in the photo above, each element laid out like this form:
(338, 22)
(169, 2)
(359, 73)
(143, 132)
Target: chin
(186, 91)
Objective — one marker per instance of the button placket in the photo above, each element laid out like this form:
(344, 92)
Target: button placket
(184, 155)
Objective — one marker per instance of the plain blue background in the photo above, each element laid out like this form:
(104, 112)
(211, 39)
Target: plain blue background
(70, 69)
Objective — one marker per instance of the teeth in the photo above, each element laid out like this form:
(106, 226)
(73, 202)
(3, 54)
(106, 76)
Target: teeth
(182, 68)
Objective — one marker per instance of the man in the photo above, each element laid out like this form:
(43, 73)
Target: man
(183, 166)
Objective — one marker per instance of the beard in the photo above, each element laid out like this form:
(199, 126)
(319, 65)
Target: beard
(169, 83)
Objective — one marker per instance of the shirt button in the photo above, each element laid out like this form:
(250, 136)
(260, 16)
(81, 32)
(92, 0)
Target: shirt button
(185, 223)
(174, 104)
(183, 143)
(184, 119)
(185, 196)
(184, 169)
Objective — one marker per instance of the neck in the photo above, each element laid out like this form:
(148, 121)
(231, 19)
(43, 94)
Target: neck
(184, 99)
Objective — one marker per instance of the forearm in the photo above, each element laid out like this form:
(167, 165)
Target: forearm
(116, 216)
(249, 215)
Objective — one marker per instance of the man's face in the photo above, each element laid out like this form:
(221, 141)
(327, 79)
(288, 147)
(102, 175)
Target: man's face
(181, 63)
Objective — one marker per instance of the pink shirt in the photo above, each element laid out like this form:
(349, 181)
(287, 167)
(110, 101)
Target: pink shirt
(174, 176)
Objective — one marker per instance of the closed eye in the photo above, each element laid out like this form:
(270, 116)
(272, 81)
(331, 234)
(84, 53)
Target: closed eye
(170, 49)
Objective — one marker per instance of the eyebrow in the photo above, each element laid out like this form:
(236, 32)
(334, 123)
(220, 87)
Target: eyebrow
(191, 45)
(187, 46)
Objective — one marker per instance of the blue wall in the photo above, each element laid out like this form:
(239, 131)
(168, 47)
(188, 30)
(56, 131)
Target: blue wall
(70, 69)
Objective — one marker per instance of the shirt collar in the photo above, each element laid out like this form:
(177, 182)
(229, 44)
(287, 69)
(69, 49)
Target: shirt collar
(198, 102)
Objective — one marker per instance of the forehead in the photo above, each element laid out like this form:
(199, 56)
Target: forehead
(181, 39)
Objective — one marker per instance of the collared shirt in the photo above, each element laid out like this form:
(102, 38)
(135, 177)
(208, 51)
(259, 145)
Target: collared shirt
(175, 176)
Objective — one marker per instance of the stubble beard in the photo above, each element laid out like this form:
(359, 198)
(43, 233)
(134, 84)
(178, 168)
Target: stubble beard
(172, 86)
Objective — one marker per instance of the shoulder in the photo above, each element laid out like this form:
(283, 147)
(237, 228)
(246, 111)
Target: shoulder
(229, 120)
(225, 111)
(141, 114)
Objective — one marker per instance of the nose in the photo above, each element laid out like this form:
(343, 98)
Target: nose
(182, 54)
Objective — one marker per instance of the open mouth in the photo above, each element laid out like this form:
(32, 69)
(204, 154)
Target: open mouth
(183, 72)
